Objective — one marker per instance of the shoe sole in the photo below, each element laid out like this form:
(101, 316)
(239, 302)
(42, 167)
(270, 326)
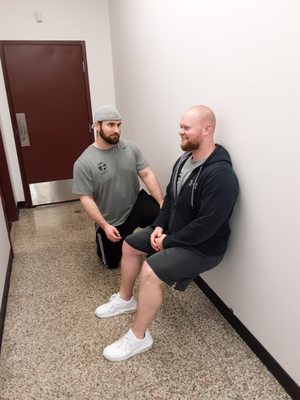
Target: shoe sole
(116, 314)
(124, 358)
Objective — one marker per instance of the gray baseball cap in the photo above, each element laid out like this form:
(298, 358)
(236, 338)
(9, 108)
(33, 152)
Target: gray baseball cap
(107, 113)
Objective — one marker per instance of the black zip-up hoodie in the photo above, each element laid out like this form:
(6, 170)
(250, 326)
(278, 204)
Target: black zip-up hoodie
(198, 216)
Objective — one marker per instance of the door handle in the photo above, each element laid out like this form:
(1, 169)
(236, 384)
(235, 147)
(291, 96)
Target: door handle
(22, 128)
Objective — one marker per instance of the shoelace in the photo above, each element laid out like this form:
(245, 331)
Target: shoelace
(111, 301)
(114, 296)
(125, 342)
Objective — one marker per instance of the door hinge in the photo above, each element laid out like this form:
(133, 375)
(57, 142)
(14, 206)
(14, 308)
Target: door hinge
(83, 66)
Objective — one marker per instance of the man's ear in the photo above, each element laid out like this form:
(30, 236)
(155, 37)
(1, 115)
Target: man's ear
(207, 129)
(97, 125)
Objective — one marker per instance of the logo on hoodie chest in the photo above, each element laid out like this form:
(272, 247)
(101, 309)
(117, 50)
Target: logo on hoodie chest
(192, 183)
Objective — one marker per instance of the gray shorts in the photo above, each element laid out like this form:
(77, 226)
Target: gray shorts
(176, 266)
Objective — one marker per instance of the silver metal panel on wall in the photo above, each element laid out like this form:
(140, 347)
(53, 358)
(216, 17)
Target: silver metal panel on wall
(52, 192)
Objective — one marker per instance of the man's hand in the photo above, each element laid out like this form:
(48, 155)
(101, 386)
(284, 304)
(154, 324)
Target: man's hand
(112, 233)
(157, 238)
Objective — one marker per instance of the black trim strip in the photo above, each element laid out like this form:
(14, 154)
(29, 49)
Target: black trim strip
(289, 385)
(21, 204)
(5, 295)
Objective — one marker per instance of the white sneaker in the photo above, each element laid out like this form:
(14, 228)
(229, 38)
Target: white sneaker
(116, 306)
(128, 346)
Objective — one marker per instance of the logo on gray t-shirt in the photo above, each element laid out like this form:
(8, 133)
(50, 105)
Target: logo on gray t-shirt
(102, 166)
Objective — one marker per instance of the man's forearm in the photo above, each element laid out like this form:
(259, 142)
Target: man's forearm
(93, 211)
(156, 193)
(152, 184)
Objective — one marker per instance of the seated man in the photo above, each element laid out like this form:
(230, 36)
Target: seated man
(189, 236)
(106, 176)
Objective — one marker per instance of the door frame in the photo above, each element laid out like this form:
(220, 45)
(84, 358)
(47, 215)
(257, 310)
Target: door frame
(9, 202)
(25, 183)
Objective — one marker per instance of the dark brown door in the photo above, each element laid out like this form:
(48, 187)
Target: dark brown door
(47, 86)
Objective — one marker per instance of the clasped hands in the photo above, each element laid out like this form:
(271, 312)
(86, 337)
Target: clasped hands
(157, 238)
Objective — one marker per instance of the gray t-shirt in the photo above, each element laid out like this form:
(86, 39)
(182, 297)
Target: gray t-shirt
(110, 177)
(186, 171)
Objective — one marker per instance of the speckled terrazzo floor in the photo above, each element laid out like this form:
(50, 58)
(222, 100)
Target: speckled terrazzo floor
(52, 341)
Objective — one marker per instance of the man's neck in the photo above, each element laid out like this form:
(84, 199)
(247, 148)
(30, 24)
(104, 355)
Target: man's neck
(102, 144)
(203, 152)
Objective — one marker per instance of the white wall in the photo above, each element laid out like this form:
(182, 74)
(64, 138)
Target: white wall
(9, 143)
(242, 59)
(4, 251)
(85, 20)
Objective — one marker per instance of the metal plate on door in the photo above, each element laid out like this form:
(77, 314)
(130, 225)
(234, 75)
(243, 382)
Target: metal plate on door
(22, 127)
(52, 192)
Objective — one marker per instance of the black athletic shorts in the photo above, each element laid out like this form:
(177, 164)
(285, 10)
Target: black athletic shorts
(176, 266)
(143, 213)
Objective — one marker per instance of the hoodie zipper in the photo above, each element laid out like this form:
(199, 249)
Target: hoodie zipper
(184, 157)
(195, 186)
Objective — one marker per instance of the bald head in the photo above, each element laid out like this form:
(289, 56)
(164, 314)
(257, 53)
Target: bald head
(197, 127)
(203, 115)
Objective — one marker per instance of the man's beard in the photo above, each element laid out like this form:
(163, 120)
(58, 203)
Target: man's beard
(113, 139)
(188, 146)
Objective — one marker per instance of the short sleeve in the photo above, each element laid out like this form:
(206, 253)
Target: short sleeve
(82, 180)
(141, 162)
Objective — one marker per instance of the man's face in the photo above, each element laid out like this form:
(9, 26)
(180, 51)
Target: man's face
(191, 132)
(110, 131)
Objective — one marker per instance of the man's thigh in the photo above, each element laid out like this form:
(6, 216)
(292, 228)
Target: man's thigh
(140, 240)
(180, 265)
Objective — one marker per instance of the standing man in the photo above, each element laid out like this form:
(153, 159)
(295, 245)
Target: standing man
(106, 176)
(189, 236)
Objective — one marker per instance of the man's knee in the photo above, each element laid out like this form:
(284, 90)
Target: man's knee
(128, 250)
(148, 275)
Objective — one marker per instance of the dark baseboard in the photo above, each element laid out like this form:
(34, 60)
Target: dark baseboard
(289, 385)
(20, 204)
(5, 295)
